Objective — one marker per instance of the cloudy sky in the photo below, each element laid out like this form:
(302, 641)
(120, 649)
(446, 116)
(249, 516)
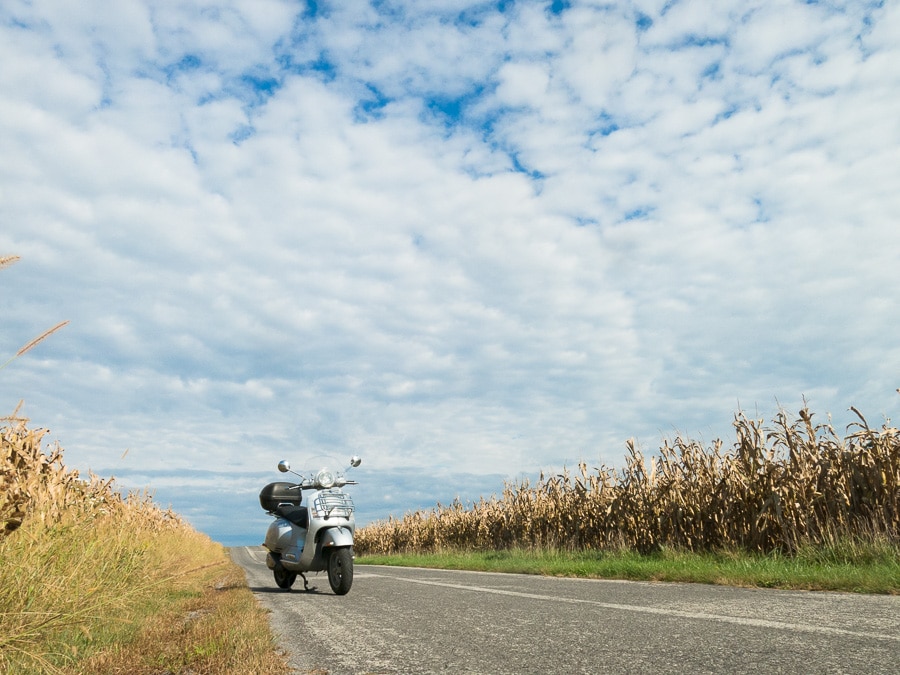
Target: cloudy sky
(466, 240)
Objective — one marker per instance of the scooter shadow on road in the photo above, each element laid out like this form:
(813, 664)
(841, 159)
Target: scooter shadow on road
(313, 590)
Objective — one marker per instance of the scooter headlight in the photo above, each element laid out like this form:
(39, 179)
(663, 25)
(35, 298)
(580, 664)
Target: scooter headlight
(325, 478)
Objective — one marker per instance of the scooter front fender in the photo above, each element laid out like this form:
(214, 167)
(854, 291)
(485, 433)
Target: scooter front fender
(336, 537)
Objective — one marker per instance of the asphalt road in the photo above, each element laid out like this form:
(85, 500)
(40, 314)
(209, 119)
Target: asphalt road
(409, 620)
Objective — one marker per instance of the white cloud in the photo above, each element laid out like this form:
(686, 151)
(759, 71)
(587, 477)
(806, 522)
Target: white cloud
(523, 84)
(600, 54)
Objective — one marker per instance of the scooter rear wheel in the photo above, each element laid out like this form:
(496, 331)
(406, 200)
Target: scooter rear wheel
(340, 570)
(283, 578)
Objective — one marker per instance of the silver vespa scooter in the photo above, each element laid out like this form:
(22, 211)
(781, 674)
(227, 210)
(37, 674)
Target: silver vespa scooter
(315, 537)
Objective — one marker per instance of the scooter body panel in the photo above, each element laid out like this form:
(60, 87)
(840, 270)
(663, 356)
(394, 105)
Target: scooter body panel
(286, 540)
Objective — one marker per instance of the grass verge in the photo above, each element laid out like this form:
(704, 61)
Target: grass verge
(83, 598)
(212, 625)
(873, 568)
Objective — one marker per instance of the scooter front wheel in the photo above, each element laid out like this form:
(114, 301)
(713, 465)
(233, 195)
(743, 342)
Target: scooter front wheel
(340, 570)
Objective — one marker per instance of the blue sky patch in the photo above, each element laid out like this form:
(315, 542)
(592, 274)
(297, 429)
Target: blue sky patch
(639, 213)
(372, 106)
(643, 22)
(557, 7)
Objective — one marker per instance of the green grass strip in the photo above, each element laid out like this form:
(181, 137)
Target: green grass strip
(820, 570)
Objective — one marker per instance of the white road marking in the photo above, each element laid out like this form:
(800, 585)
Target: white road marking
(256, 553)
(742, 621)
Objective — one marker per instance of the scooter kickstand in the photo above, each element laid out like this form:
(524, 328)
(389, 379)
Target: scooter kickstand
(305, 582)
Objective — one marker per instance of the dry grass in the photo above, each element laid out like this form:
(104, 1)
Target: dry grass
(783, 488)
(215, 628)
(40, 338)
(7, 260)
(93, 581)
(31, 344)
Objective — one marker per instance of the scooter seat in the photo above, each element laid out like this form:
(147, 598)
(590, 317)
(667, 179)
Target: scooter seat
(295, 514)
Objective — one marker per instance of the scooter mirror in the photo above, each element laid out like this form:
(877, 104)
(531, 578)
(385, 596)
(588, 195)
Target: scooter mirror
(355, 461)
(284, 466)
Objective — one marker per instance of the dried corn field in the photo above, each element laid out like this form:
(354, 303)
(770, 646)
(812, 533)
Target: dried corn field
(778, 488)
(36, 485)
